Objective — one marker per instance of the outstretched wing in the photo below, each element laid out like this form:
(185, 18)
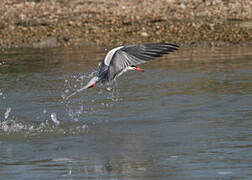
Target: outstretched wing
(137, 54)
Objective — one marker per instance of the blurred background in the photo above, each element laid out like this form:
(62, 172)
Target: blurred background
(53, 23)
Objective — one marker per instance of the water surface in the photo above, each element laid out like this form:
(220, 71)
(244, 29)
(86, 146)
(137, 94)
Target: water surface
(188, 116)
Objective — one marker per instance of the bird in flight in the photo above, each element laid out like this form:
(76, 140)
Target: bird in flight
(125, 58)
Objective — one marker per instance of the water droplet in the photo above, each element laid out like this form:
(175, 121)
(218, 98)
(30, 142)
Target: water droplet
(42, 125)
(54, 119)
(6, 114)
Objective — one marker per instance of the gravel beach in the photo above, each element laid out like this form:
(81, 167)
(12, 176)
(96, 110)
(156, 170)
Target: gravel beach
(51, 23)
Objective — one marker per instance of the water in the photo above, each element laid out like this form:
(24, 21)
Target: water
(189, 116)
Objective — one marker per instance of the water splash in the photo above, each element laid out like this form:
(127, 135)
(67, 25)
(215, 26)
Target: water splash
(76, 84)
(88, 102)
(77, 91)
(95, 101)
(54, 119)
(114, 93)
(6, 114)
(13, 128)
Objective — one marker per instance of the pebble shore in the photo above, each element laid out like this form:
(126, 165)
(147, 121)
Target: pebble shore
(63, 23)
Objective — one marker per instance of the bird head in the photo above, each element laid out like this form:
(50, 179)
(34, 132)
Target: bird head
(134, 68)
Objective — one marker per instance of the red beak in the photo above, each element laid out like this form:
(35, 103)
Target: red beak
(138, 69)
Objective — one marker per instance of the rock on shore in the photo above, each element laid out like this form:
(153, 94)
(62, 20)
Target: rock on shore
(51, 23)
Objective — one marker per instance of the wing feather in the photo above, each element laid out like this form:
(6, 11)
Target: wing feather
(137, 54)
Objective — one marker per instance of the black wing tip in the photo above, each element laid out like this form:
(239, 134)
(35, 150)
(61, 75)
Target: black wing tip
(171, 47)
(156, 45)
(164, 45)
(168, 45)
(158, 49)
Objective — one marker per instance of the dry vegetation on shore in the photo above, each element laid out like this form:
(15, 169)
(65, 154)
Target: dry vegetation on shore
(53, 23)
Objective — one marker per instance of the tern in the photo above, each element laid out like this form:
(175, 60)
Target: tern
(125, 58)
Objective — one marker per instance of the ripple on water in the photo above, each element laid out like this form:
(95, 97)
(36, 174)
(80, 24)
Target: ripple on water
(186, 118)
